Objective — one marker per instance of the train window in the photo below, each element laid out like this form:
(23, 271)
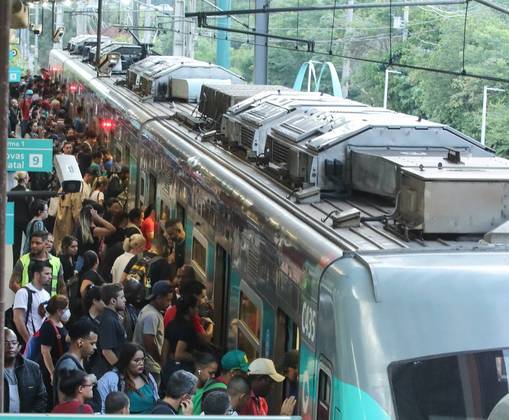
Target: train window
(199, 251)
(454, 386)
(247, 345)
(152, 192)
(181, 214)
(324, 395)
(250, 314)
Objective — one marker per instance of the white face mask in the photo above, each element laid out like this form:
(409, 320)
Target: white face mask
(66, 315)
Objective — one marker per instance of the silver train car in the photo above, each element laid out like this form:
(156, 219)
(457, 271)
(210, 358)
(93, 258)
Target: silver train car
(373, 242)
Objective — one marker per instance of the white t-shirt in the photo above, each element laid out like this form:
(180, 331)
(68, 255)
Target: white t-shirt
(97, 196)
(119, 266)
(34, 321)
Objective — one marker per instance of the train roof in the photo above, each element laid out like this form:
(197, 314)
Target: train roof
(359, 221)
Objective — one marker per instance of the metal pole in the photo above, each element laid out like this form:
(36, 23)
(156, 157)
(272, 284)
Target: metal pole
(484, 112)
(262, 10)
(5, 24)
(386, 87)
(99, 29)
(223, 43)
(36, 40)
(261, 52)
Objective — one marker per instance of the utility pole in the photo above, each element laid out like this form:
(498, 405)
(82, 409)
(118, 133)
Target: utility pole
(58, 18)
(386, 85)
(261, 49)
(99, 33)
(346, 70)
(223, 44)
(36, 39)
(184, 31)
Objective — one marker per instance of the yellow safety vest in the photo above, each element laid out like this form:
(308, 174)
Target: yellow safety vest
(55, 265)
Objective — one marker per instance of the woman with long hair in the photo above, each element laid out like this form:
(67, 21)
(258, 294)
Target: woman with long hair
(52, 338)
(130, 376)
(91, 229)
(88, 273)
(180, 337)
(97, 194)
(77, 387)
(68, 256)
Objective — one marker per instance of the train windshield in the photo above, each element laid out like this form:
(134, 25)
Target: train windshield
(464, 386)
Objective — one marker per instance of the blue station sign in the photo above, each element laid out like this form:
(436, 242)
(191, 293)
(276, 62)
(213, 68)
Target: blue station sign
(9, 223)
(31, 155)
(14, 74)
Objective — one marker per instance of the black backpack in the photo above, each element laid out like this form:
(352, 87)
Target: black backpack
(9, 315)
(114, 187)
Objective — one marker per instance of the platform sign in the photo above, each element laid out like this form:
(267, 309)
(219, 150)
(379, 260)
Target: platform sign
(14, 74)
(9, 223)
(31, 155)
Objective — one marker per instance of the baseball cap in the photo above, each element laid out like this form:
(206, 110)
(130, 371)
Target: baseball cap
(265, 367)
(233, 360)
(161, 288)
(29, 92)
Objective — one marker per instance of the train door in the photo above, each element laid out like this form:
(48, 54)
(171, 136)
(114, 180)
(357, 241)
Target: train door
(324, 409)
(152, 190)
(220, 295)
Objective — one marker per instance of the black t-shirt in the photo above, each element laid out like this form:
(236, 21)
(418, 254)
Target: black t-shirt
(112, 252)
(68, 265)
(161, 269)
(93, 364)
(162, 407)
(180, 329)
(93, 276)
(48, 337)
(180, 253)
(134, 260)
(111, 332)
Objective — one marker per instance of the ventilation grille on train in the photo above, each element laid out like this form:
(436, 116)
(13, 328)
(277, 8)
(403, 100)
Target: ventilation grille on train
(263, 113)
(246, 137)
(277, 152)
(253, 261)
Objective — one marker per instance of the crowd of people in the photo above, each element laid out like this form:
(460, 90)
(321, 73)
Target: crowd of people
(107, 315)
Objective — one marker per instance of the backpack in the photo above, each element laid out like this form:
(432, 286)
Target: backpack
(114, 187)
(9, 315)
(33, 347)
(140, 270)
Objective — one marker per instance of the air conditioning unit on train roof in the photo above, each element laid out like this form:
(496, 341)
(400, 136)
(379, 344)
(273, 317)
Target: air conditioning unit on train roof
(157, 83)
(249, 122)
(322, 147)
(148, 65)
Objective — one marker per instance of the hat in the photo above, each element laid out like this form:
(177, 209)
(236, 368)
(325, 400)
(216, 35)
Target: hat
(161, 288)
(29, 92)
(265, 367)
(291, 360)
(235, 360)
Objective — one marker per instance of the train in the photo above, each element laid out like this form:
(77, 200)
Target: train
(373, 242)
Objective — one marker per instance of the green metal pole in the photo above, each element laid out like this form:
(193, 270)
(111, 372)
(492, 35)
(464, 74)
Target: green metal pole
(223, 41)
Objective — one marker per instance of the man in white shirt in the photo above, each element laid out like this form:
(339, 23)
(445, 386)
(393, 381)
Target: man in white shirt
(27, 310)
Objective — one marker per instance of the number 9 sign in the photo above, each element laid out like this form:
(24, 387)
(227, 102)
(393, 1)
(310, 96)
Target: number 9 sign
(35, 160)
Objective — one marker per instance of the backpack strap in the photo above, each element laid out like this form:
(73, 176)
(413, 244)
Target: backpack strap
(29, 306)
(59, 338)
